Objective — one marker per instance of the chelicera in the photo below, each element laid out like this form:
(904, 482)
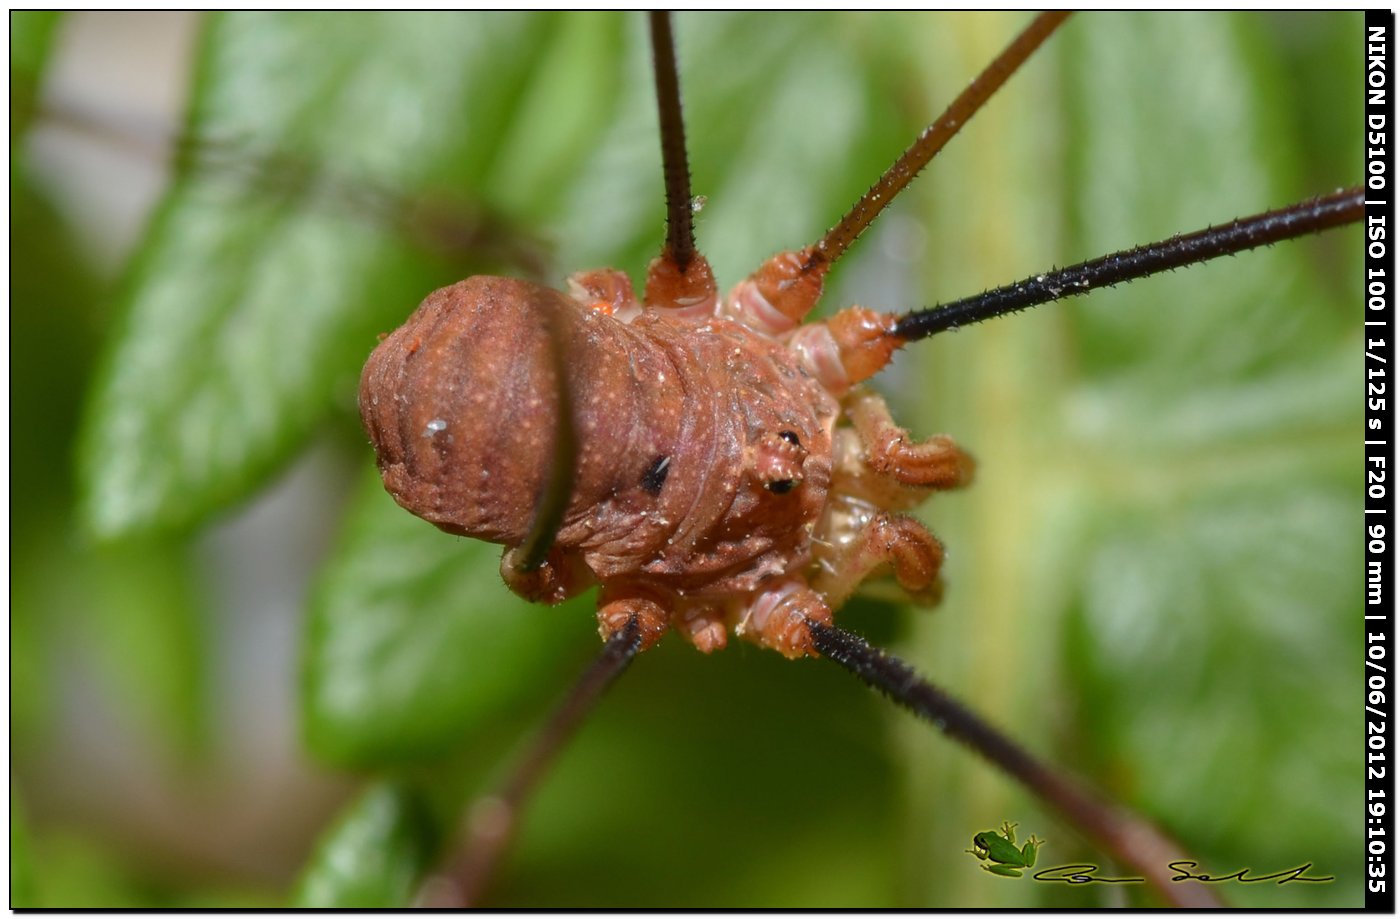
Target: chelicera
(709, 461)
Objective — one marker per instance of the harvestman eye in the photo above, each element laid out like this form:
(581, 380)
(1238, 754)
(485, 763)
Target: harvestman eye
(655, 476)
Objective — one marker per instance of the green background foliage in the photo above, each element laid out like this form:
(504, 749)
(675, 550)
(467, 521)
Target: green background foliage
(1155, 580)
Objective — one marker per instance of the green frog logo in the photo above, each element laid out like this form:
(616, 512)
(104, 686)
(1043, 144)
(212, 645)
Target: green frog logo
(999, 851)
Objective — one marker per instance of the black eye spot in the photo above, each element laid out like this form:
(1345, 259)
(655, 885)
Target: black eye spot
(790, 437)
(655, 476)
(780, 487)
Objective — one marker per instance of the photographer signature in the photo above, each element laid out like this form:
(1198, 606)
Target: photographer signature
(1086, 874)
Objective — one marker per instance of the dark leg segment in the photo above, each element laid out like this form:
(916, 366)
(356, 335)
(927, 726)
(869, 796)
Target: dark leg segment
(681, 277)
(1232, 238)
(933, 139)
(492, 819)
(1117, 832)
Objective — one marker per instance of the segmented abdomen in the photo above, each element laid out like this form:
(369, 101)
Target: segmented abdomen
(673, 419)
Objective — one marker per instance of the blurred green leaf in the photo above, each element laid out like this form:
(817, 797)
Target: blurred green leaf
(31, 39)
(77, 872)
(778, 773)
(54, 329)
(131, 606)
(375, 855)
(414, 642)
(22, 887)
(52, 291)
(132, 610)
(142, 618)
(250, 309)
(1188, 600)
(792, 89)
(1162, 492)
(1177, 590)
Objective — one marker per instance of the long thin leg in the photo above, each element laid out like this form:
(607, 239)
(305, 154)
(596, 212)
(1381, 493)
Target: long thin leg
(857, 343)
(681, 277)
(934, 138)
(786, 287)
(553, 500)
(680, 230)
(1119, 833)
(494, 817)
(1264, 229)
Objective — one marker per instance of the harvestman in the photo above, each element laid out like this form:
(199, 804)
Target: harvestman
(565, 427)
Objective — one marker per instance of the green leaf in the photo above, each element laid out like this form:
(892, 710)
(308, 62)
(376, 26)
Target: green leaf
(1164, 490)
(76, 872)
(250, 309)
(145, 624)
(52, 291)
(792, 89)
(31, 39)
(54, 336)
(375, 855)
(414, 643)
(1215, 604)
(129, 609)
(22, 886)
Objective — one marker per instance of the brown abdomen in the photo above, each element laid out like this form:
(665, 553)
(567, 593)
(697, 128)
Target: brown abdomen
(462, 404)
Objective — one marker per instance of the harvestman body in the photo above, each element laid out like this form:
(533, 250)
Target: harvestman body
(708, 486)
(713, 487)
